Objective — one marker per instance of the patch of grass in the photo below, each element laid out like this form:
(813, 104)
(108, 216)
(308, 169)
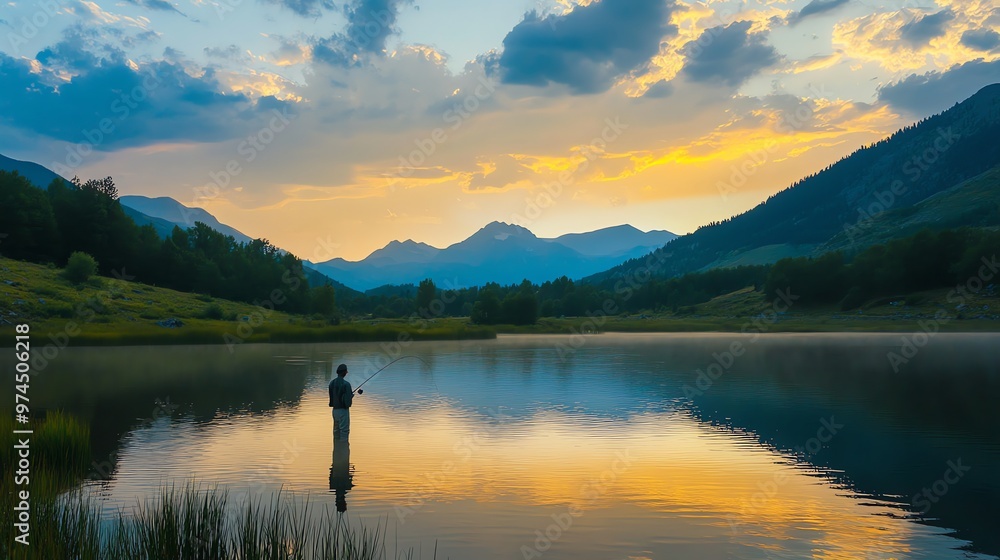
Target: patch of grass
(197, 524)
(60, 444)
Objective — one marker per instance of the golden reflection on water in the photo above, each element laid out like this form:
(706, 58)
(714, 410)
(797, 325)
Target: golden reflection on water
(665, 478)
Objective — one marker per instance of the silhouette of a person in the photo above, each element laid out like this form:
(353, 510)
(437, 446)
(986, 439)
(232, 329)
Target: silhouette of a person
(341, 397)
(341, 478)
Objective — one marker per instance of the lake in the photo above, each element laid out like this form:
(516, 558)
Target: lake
(642, 446)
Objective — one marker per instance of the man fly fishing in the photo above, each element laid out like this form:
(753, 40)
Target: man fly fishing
(341, 397)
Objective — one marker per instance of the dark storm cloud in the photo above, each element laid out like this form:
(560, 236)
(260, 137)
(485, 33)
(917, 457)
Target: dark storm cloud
(156, 102)
(369, 25)
(934, 92)
(728, 54)
(981, 39)
(815, 7)
(588, 48)
(921, 30)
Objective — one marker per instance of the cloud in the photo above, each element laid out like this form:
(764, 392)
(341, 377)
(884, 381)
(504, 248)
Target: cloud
(815, 7)
(161, 5)
(927, 94)
(921, 30)
(369, 24)
(588, 48)
(981, 39)
(68, 89)
(289, 53)
(305, 8)
(75, 52)
(728, 54)
(232, 52)
(908, 41)
(92, 12)
(660, 89)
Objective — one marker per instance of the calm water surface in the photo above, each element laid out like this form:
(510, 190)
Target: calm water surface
(806, 446)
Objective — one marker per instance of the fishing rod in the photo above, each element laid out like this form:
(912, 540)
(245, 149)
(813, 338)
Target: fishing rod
(359, 391)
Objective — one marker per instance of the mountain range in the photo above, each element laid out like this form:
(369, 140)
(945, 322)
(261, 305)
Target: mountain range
(499, 252)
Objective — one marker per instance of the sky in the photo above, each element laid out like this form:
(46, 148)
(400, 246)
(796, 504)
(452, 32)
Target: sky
(331, 128)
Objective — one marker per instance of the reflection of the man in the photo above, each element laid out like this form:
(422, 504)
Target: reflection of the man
(340, 473)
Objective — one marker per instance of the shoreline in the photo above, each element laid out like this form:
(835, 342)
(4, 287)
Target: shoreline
(48, 333)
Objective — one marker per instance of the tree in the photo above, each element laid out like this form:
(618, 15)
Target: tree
(426, 293)
(80, 267)
(486, 310)
(27, 219)
(324, 300)
(105, 186)
(520, 307)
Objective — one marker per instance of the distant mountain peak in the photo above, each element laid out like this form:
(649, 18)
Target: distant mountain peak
(407, 251)
(503, 230)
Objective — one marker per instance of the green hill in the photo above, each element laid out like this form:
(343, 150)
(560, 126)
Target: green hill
(971, 203)
(112, 311)
(885, 180)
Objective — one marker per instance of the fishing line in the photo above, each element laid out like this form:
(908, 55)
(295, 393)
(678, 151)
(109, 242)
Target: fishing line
(387, 365)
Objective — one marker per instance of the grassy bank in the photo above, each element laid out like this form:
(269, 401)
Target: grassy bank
(114, 312)
(219, 332)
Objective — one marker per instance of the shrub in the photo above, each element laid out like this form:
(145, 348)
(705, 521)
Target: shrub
(80, 267)
(213, 311)
(63, 311)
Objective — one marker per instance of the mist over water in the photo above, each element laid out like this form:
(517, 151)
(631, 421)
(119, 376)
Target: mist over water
(609, 446)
